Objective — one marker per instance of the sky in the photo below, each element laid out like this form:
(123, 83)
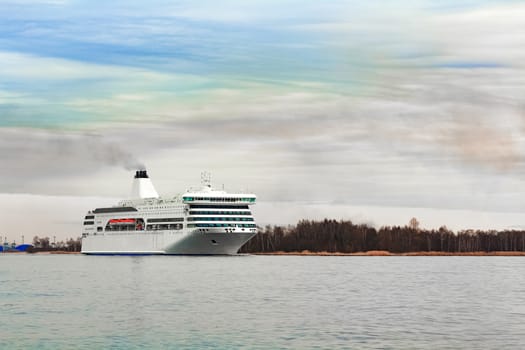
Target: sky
(371, 111)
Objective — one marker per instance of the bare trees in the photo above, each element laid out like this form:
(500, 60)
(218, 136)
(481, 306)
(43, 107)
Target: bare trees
(41, 242)
(44, 244)
(413, 224)
(347, 237)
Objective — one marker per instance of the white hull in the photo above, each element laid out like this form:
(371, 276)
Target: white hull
(216, 242)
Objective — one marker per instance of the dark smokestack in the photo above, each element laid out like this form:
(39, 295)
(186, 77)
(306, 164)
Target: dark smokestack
(141, 174)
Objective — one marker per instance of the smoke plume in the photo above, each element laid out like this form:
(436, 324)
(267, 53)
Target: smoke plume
(115, 155)
(27, 155)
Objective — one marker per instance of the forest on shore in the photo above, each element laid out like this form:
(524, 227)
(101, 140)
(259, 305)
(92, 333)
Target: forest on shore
(346, 237)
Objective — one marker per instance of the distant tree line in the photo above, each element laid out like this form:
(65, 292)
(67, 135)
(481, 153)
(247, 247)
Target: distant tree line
(43, 244)
(347, 237)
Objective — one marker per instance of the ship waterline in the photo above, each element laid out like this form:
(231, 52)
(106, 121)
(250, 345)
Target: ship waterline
(193, 243)
(199, 222)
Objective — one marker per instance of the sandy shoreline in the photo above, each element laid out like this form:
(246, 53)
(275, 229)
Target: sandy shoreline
(386, 253)
(62, 252)
(309, 253)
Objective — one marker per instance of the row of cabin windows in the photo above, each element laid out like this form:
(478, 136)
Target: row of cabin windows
(155, 227)
(219, 199)
(220, 213)
(221, 225)
(219, 219)
(89, 217)
(164, 227)
(89, 222)
(121, 228)
(203, 206)
(165, 220)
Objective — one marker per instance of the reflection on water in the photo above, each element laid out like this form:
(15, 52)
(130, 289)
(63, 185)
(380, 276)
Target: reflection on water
(265, 302)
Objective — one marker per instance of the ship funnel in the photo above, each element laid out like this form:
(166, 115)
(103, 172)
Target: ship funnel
(142, 186)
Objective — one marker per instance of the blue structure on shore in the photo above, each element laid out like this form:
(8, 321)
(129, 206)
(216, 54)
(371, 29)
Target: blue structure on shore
(23, 247)
(13, 247)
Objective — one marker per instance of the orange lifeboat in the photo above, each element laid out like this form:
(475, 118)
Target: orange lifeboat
(122, 221)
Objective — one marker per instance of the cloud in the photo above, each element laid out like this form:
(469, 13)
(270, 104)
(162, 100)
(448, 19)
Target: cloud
(488, 34)
(16, 65)
(34, 2)
(383, 148)
(30, 157)
(380, 104)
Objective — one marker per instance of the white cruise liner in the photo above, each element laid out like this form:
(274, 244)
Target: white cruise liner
(199, 222)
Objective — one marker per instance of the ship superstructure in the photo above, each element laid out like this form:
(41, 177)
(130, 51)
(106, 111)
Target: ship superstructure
(199, 222)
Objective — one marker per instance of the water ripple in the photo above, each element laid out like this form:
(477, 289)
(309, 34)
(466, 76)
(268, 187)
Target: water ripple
(261, 302)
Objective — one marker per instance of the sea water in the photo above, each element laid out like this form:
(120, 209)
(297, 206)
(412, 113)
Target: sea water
(261, 302)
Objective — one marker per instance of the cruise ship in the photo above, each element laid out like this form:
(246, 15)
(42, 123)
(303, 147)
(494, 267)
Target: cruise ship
(204, 221)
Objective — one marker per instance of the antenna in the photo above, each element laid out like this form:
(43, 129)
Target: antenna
(206, 178)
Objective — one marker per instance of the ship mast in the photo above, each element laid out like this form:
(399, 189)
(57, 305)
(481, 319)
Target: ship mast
(206, 179)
